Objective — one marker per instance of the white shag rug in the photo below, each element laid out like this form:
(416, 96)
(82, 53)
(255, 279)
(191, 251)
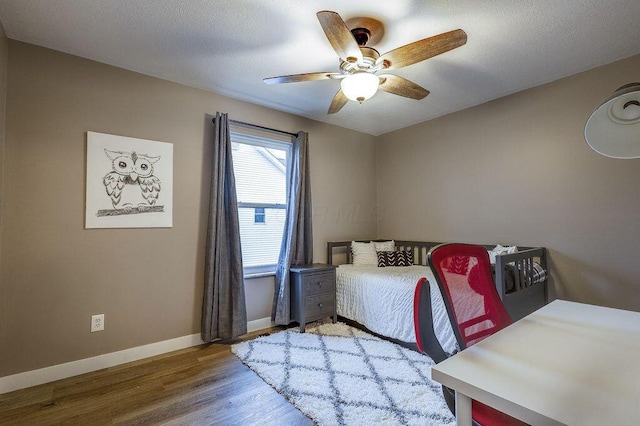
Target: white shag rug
(339, 375)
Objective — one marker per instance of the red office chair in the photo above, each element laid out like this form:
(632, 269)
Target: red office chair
(463, 274)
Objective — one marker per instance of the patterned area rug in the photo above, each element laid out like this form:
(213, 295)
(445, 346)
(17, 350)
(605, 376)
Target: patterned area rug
(339, 375)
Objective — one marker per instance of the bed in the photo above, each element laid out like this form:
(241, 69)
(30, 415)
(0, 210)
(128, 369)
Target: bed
(380, 299)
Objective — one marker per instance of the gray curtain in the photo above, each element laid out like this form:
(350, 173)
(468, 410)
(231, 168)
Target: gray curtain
(297, 241)
(224, 312)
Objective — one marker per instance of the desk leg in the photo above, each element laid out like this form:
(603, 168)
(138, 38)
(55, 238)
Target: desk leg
(463, 410)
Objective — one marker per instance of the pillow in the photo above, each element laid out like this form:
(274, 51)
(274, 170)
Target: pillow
(498, 250)
(385, 245)
(395, 258)
(364, 254)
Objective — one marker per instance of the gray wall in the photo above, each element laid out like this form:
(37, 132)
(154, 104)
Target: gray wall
(515, 170)
(4, 54)
(518, 171)
(147, 282)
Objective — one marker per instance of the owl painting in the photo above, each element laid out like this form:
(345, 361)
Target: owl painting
(131, 184)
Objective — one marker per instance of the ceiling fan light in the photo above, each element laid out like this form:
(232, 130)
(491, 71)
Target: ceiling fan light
(360, 86)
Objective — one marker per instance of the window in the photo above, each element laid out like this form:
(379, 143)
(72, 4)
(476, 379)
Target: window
(258, 215)
(260, 161)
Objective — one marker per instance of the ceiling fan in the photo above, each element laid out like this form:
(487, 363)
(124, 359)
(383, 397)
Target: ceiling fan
(360, 64)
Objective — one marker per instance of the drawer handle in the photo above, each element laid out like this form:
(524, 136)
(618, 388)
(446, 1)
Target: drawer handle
(319, 283)
(319, 305)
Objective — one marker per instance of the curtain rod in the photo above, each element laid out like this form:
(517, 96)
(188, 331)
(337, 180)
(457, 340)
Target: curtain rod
(255, 126)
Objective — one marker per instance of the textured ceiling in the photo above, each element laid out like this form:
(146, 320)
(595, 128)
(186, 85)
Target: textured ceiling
(229, 46)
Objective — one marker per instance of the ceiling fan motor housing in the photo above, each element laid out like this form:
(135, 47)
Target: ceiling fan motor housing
(368, 63)
(361, 35)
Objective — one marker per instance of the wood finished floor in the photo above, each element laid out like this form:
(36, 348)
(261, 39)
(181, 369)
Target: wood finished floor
(203, 385)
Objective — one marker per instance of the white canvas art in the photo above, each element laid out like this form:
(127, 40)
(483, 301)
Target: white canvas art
(129, 182)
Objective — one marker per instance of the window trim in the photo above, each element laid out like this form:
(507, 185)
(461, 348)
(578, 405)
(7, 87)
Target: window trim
(284, 143)
(259, 271)
(262, 205)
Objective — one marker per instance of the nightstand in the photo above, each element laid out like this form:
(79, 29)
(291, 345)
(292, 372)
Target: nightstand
(313, 293)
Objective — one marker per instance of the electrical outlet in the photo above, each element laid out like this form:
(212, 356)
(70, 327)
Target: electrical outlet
(97, 322)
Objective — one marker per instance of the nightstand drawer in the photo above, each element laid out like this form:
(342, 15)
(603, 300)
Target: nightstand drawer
(319, 283)
(321, 304)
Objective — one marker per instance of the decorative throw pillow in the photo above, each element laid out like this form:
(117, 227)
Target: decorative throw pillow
(395, 258)
(364, 254)
(498, 250)
(385, 245)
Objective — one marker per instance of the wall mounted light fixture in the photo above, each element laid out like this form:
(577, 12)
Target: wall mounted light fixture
(613, 129)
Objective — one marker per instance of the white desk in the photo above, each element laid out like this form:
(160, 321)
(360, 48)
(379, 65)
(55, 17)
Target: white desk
(567, 363)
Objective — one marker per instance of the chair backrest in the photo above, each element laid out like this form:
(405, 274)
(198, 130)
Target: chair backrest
(463, 273)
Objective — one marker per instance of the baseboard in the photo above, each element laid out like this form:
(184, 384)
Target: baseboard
(87, 365)
(73, 368)
(259, 324)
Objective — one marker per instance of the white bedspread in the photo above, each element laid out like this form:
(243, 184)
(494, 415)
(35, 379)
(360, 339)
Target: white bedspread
(381, 299)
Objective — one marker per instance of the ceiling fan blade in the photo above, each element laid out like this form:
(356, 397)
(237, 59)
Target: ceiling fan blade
(402, 87)
(296, 78)
(339, 100)
(339, 36)
(423, 49)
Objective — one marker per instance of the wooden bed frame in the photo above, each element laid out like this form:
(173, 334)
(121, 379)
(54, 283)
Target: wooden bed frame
(526, 295)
